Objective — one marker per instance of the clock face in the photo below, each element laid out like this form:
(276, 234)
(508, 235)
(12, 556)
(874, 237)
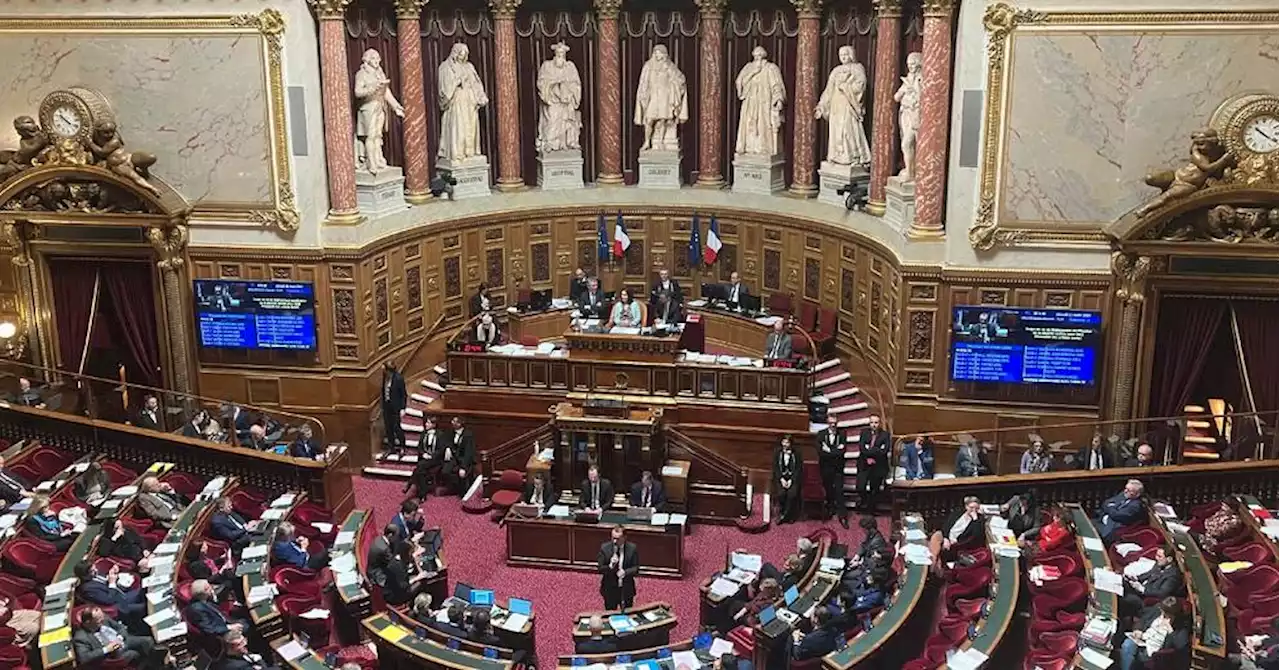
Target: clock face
(65, 121)
(1261, 134)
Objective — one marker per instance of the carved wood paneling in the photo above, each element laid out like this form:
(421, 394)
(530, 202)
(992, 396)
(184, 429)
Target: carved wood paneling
(452, 277)
(494, 266)
(540, 262)
(413, 287)
(812, 278)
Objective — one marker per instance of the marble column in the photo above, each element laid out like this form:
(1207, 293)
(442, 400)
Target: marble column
(339, 128)
(608, 93)
(710, 92)
(508, 94)
(809, 13)
(935, 117)
(884, 122)
(417, 181)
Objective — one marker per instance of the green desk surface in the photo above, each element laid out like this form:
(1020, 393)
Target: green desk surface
(60, 653)
(180, 533)
(353, 523)
(1203, 590)
(639, 656)
(910, 587)
(312, 661)
(1095, 558)
(662, 612)
(429, 650)
(1004, 607)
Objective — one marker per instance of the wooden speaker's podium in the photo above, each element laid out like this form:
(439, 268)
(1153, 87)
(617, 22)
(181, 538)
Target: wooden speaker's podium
(604, 346)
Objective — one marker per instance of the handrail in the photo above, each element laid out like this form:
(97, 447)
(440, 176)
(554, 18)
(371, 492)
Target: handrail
(422, 342)
(704, 452)
(513, 445)
(65, 377)
(874, 391)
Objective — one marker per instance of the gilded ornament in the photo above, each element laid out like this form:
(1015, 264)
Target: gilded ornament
(888, 9)
(1226, 224)
(31, 141)
(504, 9)
(330, 9)
(1207, 166)
(608, 9)
(938, 8)
(1131, 273)
(808, 8)
(169, 243)
(409, 9)
(267, 22)
(712, 7)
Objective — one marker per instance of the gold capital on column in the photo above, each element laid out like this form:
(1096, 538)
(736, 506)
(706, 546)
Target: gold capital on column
(504, 9)
(330, 9)
(888, 8)
(608, 8)
(808, 8)
(712, 7)
(409, 9)
(938, 7)
(1131, 276)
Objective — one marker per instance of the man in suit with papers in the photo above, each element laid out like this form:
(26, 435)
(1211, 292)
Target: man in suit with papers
(204, 614)
(579, 284)
(103, 589)
(159, 502)
(618, 562)
(647, 492)
(1123, 509)
(1164, 579)
(539, 492)
(777, 346)
(597, 492)
(228, 526)
(455, 626)
(98, 638)
(591, 301)
(736, 290)
(380, 552)
(597, 643)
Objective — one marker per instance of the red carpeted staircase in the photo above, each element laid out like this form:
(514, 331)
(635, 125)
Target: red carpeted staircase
(424, 398)
(847, 408)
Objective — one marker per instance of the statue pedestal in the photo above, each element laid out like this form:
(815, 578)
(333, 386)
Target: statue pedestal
(560, 170)
(758, 173)
(900, 203)
(472, 175)
(660, 169)
(382, 193)
(832, 177)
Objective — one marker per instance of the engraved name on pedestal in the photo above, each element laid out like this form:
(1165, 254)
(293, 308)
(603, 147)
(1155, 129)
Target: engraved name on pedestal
(560, 170)
(758, 173)
(472, 175)
(381, 193)
(832, 177)
(660, 169)
(900, 203)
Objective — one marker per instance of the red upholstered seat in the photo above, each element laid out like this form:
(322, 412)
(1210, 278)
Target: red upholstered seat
(294, 606)
(1202, 512)
(1243, 584)
(967, 608)
(27, 557)
(309, 512)
(1068, 566)
(297, 581)
(248, 503)
(744, 640)
(47, 461)
(13, 585)
(7, 635)
(1061, 644)
(184, 593)
(808, 318)
(1253, 552)
(954, 630)
(1046, 606)
(1255, 622)
(779, 303)
(186, 484)
(28, 472)
(1061, 621)
(118, 474)
(1039, 660)
(1143, 536)
(12, 656)
(971, 584)
(510, 489)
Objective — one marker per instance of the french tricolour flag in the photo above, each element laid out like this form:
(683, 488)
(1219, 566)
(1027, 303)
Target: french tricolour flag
(712, 249)
(620, 239)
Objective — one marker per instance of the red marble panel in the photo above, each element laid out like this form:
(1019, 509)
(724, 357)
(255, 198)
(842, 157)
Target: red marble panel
(884, 120)
(806, 99)
(608, 91)
(504, 54)
(416, 178)
(338, 123)
(711, 85)
(931, 142)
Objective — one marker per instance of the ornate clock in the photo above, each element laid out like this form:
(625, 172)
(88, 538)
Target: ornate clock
(71, 113)
(1248, 126)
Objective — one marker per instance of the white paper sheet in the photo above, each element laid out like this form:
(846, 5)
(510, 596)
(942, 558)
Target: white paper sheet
(1091, 543)
(325, 528)
(915, 535)
(292, 650)
(284, 500)
(345, 562)
(168, 548)
(124, 491)
(157, 596)
(160, 561)
(254, 551)
(346, 578)
(59, 587)
(723, 587)
(720, 647)
(166, 634)
(1106, 580)
(1126, 548)
(671, 470)
(273, 514)
(1139, 567)
(1095, 658)
(315, 613)
(345, 537)
(54, 621)
(747, 562)
(969, 659)
(999, 523)
(161, 616)
(682, 658)
(558, 511)
(515, 622)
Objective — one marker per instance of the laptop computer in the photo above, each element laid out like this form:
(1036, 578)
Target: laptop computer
(792, 595)
(640, 513)
(770, 623)
(482, 597)
(520, 606)
(462, 592)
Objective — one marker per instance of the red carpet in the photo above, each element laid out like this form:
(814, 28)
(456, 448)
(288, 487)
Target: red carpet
(475, 551)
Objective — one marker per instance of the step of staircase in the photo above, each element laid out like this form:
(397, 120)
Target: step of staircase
(833, 379)
(432, 386)
(851, 407)
(842, 393)
(826, 365)
(421, 398)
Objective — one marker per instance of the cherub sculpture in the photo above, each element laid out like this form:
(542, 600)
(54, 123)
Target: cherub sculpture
(1209, 161)
(108, 148)
(31, 141)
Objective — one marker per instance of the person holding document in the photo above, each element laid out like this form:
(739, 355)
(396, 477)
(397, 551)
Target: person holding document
(618, 563)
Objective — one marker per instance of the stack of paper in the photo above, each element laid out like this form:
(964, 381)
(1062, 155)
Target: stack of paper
(261, 593)
(170, 632)
(159, 561)
(168, 547)
(160, 617)
(57, 588)
(918, 554)
(284, 500)
(724, 588)
(1095, 658)
(1092, 544)
(621, 623)
(660, 519)
(747, 562)
(315, 613)
(515, 622)
(999, 523)
(273, 514)
(1105, 579)
(124, 492)
(343, 562)
(1139, 567)
(558, 511)
(989, 510)
(915, 535)
(54, 621)
(831, 564)
(292, 650)
(345, 579)
(344, 538)
(1098, 630)
(325, 528)
(1126, 548)
(740, 576)
(969, 659)
(8, 521)
(155, 580)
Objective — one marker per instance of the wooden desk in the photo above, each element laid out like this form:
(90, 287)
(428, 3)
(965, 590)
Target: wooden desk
(653, 625)
(264, 616)
(1102, 602)
(655, 654)
(733, 331)
(355, 598)
(540, 326)
(400, 648)
(1004, 607)
(584, 346)
(896, 612)
(565, 544)
(312, 661)
(525, 638)
(184, 532)
(1245, 505)
(1209, 647)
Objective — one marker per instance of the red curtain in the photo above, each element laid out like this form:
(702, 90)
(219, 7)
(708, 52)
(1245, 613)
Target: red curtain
(1258, 339)
(1185, 335)
(132, 317)
(72, 281)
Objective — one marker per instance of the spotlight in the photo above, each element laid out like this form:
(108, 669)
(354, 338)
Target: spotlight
(443, 183)
(856, 192)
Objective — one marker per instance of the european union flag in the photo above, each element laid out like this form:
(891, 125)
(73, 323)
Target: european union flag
(695, 243)
(602, 239)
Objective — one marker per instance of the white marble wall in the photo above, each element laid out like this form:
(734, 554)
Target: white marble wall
(199, 101)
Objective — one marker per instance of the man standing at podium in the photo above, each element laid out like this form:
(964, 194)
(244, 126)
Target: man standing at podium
(618, 562)
(591, 301)
(665, 284)
(597, 492)
(578, 284)
(735, 290)
(778, 345)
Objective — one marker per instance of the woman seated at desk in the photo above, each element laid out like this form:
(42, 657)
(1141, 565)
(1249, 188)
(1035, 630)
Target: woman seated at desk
(625, 312)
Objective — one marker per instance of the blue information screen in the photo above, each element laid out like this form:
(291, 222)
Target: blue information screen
(1025, 346)
(255, 315)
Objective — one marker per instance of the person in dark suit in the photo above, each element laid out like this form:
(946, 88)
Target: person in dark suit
(591, 300)
(380, 552)
(1095, 456)
(618, 562)
(666, 284)
(159, 502)
(93, 485)
(482, 630)
(430, 459)
(480, 302)
(394, 397)
(408, 521)
(647, 492)
(458, 457)
(487, 333)
(43, 524)
(305, 445)
(777, 346)
(228, 526)
(971, 459)
(399, 588)
(218, 569)
(963, 528)
(735, 290)
(820, 641)
(121, 542)
(291, 549)
(204, 614)
(149, 415)
(28, 396)
(873, 542)
(236, 655)
(597, 643)
(98, 638)
(1144, 457)
(1164, 579)
(667, 309)
(597, 492)
(455, 627)
(240, 422)
(195, 427)
(538, 492)
(1159, 628)
(579, 284)
(1123, 509)
(874, 447)
(99, 589)
(830, 447)
(788, 477)
(12, 487)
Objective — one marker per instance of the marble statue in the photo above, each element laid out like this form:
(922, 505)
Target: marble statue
(461, 97)
(1209, 161)
(373, 94)
(560, 93)
(661, 102)
(841, 105)
(908, 99)
(762, 93)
